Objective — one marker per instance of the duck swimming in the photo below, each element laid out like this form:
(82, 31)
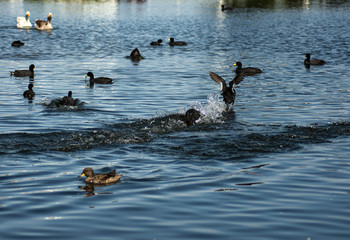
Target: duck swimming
(176, 43)
(135, 55)
(99, 80)
(158, 43)
(223, 8)
(103, 178)
(17, 43)
(316, 62)
(44, 25)
(24, 22)
(29, 93)
(228, 92)
(191, 116)
(248, 71)
(24, 73)
(67, 101)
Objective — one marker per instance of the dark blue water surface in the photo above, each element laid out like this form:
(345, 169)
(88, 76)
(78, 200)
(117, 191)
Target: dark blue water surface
(276, 167)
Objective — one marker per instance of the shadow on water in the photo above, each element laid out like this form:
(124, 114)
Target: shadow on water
(91, 189)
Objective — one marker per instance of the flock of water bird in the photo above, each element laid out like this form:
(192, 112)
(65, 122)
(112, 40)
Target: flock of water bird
(24, 22)
(191, 116)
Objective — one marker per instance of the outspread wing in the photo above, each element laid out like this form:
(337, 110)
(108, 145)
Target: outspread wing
(237, 79)
(218, 79)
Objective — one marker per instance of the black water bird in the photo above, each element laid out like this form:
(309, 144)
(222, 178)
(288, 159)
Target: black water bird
(24, 73)
(191, 116)
(99, 80)
(67, 101)
(135, 55)
(29, 93)
(228, 92)
(176, 43)
(223, 8)
(247, 71)
(103, 178)
(158, 43)
(17, 43)
(308, 61)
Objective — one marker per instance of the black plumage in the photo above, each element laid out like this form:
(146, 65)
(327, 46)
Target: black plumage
(191, 116)
(228, 92)
(99, 80)
(308, 61)
(29, 93)
(247, 71)
(67, 101)
(159, 42)
(135, 55)
(223, 8)
(24, 73)
(176, 43)
(17, 43)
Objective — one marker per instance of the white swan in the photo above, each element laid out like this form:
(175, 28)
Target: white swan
(44, 25)
(23, 22)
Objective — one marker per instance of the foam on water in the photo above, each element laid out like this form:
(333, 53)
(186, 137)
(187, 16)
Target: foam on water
(276, 167)
(212, 110)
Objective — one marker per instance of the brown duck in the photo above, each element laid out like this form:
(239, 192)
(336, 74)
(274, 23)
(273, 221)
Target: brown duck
(103, 178)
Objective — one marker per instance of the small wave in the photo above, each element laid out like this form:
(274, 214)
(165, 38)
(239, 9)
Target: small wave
(228, 139)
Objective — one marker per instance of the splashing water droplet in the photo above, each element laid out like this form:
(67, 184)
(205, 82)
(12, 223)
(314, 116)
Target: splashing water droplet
(212, 110)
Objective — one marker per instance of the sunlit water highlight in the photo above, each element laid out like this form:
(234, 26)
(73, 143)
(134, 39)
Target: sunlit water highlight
(275, 167)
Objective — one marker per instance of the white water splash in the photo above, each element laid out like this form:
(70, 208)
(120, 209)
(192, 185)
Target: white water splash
(212, 110)
(52, 104)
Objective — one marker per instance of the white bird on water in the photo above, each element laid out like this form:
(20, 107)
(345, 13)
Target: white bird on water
(23, 22)
(44, 25)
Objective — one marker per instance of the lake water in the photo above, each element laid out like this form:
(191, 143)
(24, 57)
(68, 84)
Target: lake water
(276, 167)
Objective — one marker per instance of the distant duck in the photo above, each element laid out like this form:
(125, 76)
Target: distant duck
(223, 8)
(248, 71)
(67, 101)
(44, 25)
(135, 55)
(191, 116)
(103, 178)
(99, 80)
(24, 22)
(24, 73)
(228, 92)
(308, 61)
(176, 43)
(158, 43)
(29, 93)
(17, 43)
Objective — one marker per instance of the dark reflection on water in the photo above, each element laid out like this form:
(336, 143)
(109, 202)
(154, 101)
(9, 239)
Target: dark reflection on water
(245, 141)
(276, 167)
